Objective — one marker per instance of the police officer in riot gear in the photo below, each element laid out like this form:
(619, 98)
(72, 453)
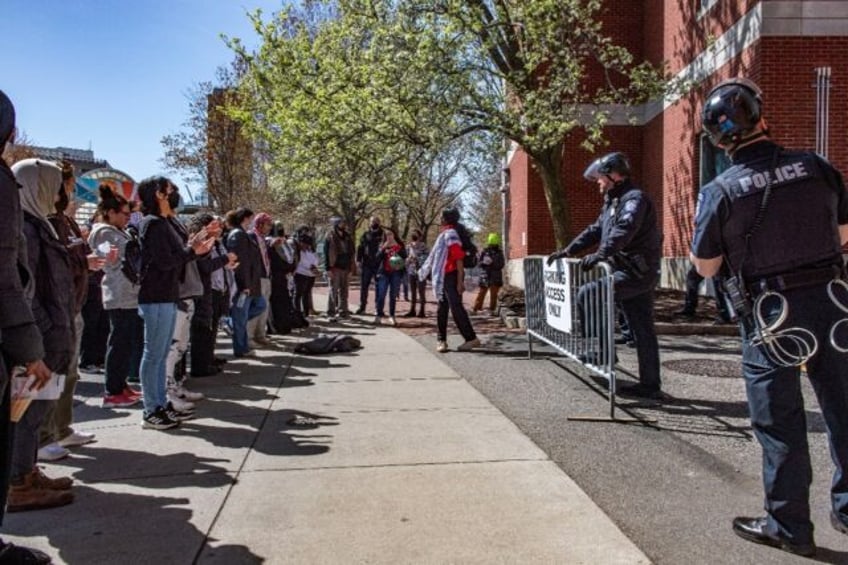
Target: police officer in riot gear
(776, 221)
(627, 237)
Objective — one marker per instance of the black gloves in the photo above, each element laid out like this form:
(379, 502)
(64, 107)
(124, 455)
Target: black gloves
(589, 261)
(558, 255)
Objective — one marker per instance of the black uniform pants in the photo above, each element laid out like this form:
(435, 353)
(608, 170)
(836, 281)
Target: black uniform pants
(779, 420)
(635, 298)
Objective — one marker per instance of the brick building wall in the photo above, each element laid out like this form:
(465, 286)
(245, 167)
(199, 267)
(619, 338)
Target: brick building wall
(777, 44)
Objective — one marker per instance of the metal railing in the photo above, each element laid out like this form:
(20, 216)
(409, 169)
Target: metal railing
(573, 311)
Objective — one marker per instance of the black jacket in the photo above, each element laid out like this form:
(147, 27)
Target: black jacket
(626, 233)
(249, 272)
(204, 305)
(368, 252)
(19, 336)
(163, 259)
(492, 273)
(52, 302)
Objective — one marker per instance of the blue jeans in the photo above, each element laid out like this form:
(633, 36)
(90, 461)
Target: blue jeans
(159, 320)
(240, 315)
(388, 283)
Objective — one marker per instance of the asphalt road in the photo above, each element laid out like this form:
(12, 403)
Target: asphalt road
(672, 486)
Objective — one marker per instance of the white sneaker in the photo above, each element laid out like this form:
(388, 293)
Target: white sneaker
(392, 321)
(182, 392)
(76, 438)
(52, 452)
(179, 404)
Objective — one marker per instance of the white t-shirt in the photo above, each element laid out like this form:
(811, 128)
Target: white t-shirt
(308, 259)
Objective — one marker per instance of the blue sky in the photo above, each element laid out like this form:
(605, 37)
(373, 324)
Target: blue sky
(113, 74)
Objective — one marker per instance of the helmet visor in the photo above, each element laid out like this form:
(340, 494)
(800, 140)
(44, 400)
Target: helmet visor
(593, 171)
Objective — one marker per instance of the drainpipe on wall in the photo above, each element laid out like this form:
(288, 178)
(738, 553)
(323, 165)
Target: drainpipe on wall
(822, 110)
(505, 200)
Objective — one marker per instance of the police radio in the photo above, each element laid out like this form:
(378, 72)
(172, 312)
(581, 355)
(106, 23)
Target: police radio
(738, 295)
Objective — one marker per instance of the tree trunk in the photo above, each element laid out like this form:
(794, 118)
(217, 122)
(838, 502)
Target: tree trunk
(548, 165)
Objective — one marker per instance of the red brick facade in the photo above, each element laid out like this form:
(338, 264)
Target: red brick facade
(665, 150)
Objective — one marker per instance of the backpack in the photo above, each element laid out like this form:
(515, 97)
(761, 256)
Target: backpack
(468, 246)
(131, 262)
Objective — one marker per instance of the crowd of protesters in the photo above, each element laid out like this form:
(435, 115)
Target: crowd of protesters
(139, 294)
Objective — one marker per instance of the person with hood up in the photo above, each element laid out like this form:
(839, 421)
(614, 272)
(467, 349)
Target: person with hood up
(52, 308)
(56, 433)
(20, 340)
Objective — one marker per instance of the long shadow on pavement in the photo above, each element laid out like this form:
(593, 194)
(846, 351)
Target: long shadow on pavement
(110, 527)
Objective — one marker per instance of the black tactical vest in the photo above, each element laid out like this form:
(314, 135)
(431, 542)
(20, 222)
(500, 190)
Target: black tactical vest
(797, 229)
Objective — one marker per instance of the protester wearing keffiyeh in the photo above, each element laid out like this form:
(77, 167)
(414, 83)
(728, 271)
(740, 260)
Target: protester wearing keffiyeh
(445, 265)
(435, 263)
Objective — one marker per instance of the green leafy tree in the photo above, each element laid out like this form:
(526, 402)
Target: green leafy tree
(377, 79)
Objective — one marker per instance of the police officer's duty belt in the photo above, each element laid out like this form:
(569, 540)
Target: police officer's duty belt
(797, 279)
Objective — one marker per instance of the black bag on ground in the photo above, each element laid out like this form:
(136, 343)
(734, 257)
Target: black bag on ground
(329, 343)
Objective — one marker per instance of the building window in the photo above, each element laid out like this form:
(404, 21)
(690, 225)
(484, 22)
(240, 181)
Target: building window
(714, 161)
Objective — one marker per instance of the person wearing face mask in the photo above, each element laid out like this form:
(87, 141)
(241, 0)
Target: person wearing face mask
(626, 236)
(20, 340)
(248, 302)
(338, 263)
(368, 260)
(164, 255)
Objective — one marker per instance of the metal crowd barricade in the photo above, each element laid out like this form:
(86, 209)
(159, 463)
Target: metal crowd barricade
(554, 298)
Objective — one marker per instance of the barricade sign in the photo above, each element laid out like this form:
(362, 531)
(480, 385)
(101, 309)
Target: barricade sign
(558, 297)
(574, 311)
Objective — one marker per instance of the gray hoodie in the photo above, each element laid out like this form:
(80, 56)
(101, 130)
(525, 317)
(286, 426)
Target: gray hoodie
(118, 291)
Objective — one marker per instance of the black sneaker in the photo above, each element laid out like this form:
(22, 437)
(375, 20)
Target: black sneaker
(360, 310)
(176, 415)
(159, 420)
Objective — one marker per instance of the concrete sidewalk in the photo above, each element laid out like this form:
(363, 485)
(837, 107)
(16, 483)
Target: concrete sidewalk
(391, 458)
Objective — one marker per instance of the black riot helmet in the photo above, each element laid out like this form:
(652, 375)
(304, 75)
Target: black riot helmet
(606, 165)
(7, 119)
(732, 111)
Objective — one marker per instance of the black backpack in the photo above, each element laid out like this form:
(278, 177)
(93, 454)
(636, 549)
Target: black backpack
(131, 263)
(468, 246)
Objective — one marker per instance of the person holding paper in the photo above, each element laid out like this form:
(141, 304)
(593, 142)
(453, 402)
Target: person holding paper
(20, 340)
(52, 309)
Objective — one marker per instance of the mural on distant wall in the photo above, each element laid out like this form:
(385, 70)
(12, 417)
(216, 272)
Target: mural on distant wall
(87, 184)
